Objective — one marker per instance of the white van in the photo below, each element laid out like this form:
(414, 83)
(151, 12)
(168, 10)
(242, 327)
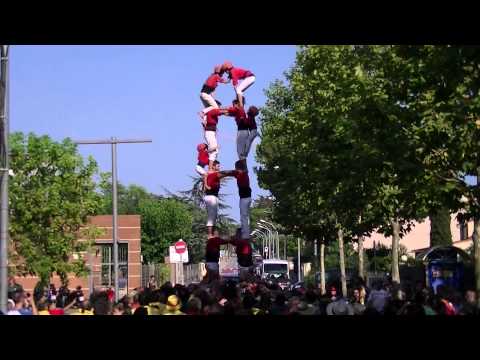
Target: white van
(276, 269)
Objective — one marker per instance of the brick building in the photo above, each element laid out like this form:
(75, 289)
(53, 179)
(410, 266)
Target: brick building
(101, 257)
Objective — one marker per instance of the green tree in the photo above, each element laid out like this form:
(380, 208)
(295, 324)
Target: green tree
(51, 195)
(129, 197)
(440, 232)
(164, 222)
(335, 144)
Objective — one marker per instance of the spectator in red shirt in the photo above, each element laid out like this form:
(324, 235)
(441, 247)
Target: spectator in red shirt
(208, 89)
(53, 310)
(211, 194)
(236, 74)
(111, 294)
(245, 194)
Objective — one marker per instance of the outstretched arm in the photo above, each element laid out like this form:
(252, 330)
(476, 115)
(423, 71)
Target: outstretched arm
(227, 173)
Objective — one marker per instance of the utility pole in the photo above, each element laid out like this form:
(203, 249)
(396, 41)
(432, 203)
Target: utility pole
(5, 172)
(113, 142)
(299, 264)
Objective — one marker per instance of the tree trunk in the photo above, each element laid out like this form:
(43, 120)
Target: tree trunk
(343, 277)
(322, 267)
(476, 256)
(361, 265)
(395, 245)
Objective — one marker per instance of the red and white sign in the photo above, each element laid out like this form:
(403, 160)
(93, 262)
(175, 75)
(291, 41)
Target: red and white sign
(178, 252)
(180, 247)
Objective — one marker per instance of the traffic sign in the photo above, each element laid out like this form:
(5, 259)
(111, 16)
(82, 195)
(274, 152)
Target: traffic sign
(180, 247)
(178, 252)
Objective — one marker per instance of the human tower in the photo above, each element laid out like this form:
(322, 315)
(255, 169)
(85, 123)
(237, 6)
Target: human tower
(208, 157)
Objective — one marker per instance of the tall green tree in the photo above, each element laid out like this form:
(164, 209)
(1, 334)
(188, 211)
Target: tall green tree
(52, 193)
(440, 232)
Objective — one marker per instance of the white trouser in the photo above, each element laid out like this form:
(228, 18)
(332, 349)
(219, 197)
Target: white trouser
(245, 216)
(252, 135)
(208, 100)
(211, 139)
(200, 170)
(212, 206)
(205, 111)
(244, 85)
(242, 144)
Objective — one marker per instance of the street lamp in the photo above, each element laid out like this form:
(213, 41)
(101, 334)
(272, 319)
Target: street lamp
(271, 240)
(277, 237)
(264, 240)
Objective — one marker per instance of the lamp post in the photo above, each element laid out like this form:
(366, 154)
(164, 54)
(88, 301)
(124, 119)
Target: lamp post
(113, 142)
(271, 247)
(4, 157)
(264, 240)
(277, 237)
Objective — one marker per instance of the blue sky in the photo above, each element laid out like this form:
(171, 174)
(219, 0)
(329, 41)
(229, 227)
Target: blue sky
(95, 92)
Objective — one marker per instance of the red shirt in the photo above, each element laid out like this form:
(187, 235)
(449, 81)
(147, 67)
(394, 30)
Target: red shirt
(213, 181)
(242, 178)
(203, 157)
(213, 244)
(243, 183)
(212, 253)
(56, 312)
(243, 246)
(212, 119)
(239, 74)
(240, 117)
(213, 80)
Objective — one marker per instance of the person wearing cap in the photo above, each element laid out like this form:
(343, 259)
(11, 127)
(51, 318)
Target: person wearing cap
(236, 74)
(208, 88)
(173, 306)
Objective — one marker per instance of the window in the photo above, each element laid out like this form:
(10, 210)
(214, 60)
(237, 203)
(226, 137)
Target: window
(463, 230)
(107, 265)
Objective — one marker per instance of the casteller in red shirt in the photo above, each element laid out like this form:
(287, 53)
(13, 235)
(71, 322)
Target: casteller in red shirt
(202, 155)
(212, 119)
(212, 253)
(238, 74)
(213, 182)
(240, 116)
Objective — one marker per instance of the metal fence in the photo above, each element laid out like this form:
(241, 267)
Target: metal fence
(160, 271)
(192, 273)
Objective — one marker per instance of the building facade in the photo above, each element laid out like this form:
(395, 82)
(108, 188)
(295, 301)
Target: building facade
(100, 258)
(419, 237)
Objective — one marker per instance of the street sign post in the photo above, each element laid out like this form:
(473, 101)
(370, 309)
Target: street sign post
(179, 252)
